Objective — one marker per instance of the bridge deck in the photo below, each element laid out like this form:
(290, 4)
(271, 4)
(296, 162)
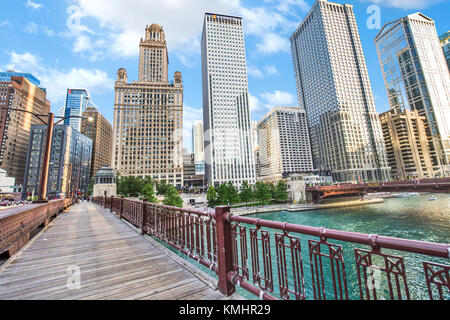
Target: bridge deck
(115, 263)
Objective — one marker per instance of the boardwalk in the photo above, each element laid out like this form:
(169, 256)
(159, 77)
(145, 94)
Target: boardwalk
(114, 260)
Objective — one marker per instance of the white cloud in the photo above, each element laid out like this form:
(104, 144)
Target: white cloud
(31, 28)
(6, 23)
(278, 98)
(273, 43)
(255, 105)
(57, 81)
(34, 5)
(405, 4)
(271, 70)
(254, 71)
(122, 23)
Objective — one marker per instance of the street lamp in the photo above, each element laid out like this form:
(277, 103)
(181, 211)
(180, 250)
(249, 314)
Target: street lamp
(48, 144)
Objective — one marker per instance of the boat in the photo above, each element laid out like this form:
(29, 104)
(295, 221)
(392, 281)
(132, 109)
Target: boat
(401, 195)
(432, 198)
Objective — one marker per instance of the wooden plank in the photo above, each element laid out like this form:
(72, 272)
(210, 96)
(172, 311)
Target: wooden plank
(115, 263)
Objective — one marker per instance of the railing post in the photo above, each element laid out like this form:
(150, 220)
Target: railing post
(224, 250)
(144, 201)
(121, 207)
(111, 204)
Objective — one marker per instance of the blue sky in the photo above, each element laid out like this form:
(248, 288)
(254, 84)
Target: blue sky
(82, 43)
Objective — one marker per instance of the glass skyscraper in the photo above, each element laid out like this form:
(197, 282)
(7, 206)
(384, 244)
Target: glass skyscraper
(416, 77)
(70, 161)
(334, 88)
(445, 43)
(226, 116)
(77, 100)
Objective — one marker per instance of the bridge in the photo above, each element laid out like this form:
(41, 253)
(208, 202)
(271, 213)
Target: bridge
(115, 248)
(318, 193)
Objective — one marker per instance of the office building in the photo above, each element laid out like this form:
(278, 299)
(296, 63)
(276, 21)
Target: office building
(226, 117)
(283, 142)
(191, 178)
(198, 147)
(417, 78)
(96, 127)
(445, 43)
(148, 116)
(333, 87)
(77, 100)
(19, 91)
(70, 162)
(406, 143)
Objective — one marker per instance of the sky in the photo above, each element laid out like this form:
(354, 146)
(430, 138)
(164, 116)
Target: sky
(82, 44)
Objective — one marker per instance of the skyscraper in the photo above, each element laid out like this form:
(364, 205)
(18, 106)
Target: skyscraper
(77, 100)
(70, 161)
(445, 43)
(18, 91)
(148, 116)
(226, 116)
(417, 77)
(198, 147)
(99, 129)
(334, 88)
(283, 143)
(407, 149)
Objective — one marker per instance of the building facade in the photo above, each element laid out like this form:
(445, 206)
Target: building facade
(6, 183)
(148, 116)
(191, 178)
(96, 127)
(445, 43)
(226, 117)
(406, 143)
(333, 87)
(104, 183)
(417, 78)
(283, 142)
(18, 91)
(70, 162)
(198, 147)
(77, 100)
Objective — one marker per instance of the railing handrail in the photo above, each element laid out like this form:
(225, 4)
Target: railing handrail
(373, 240)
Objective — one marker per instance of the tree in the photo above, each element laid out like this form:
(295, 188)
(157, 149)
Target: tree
(148, 192)
(246, 193)
(211, 196)
(263, 192)
(281, 193)
(232, 194)
(171, 197)
(162, 187)
(90, 187)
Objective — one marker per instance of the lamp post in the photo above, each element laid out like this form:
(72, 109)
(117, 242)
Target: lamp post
(48, 146)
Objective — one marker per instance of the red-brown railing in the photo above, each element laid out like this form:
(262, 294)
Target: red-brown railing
(268, 258)
(17, 223)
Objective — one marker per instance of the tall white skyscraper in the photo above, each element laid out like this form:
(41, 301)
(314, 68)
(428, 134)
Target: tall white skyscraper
(334, 88)
(283, 144)
(198, 147)
(416, 76)
(226, 116)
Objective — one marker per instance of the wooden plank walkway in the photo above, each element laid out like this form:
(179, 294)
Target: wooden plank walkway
(115, 262)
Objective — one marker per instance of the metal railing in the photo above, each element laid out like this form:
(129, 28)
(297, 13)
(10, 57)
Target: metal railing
(287, 261)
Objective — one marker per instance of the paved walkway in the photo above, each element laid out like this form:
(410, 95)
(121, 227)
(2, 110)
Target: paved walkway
(114, 261)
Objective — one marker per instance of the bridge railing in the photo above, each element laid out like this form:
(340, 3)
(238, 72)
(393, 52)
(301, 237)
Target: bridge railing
(17, 223)
(275, 260)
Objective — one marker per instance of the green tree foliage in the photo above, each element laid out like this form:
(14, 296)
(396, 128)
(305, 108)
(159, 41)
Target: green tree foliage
(129, 186)
(246, 193)
(171, 197)
(90, 187)
(281, 193)
(162, 187)
(211, 196)
(149, 193)
(227, 194)
(263, 192)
